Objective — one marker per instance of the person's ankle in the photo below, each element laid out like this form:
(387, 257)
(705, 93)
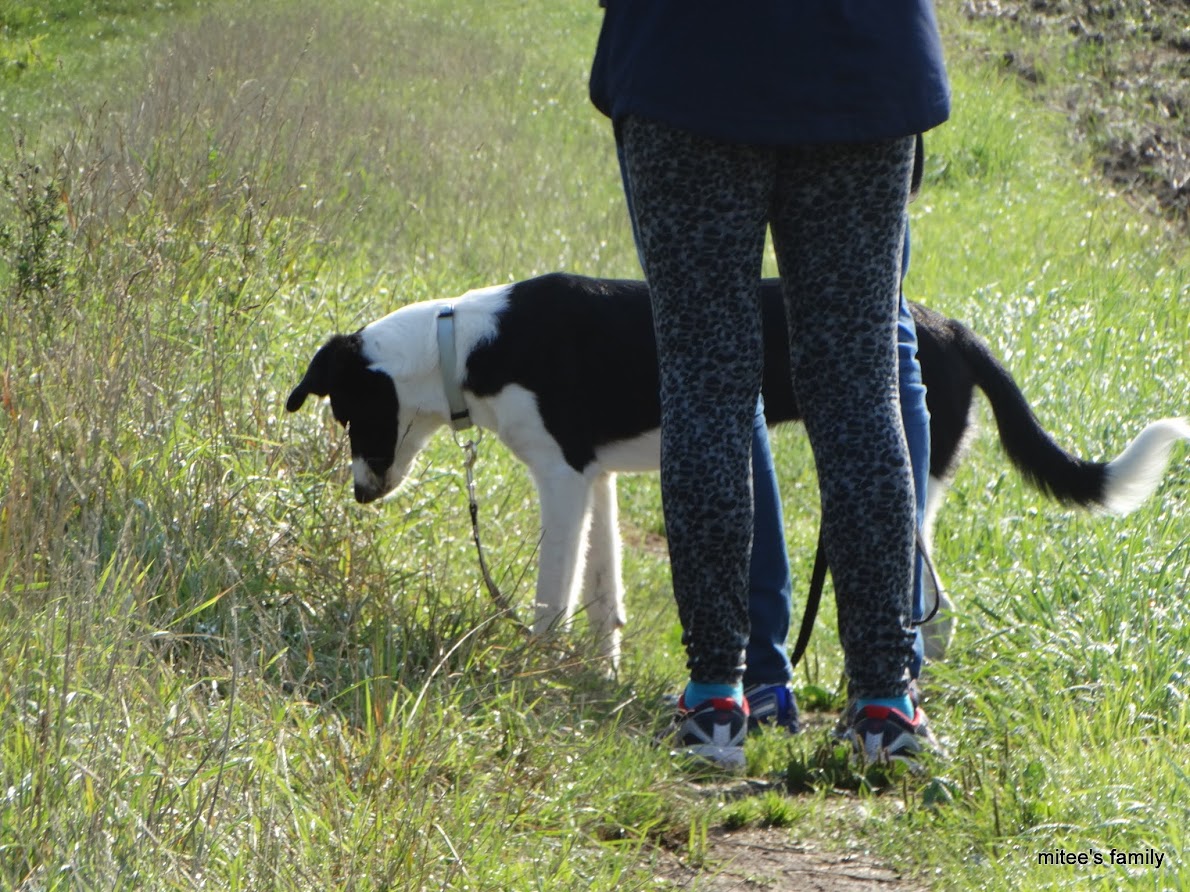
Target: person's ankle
(902, 705)
(698, 693)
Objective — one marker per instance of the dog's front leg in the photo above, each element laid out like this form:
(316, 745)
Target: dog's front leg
(565, 495)
(603, 587)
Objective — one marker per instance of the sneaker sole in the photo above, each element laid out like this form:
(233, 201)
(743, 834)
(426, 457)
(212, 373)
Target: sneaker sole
(729, 758)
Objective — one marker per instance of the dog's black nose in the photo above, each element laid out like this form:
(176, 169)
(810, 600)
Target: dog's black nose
(365, 494)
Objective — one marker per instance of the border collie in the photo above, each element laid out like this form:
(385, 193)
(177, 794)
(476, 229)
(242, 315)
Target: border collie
(563, 369)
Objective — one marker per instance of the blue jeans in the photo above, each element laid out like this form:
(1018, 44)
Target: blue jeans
(770, 591)
(916, 418)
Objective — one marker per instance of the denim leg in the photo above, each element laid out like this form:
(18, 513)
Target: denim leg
(770, 586)
(916, 418)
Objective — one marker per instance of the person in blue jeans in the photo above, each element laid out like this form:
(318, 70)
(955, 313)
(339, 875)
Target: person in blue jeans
(768, 676)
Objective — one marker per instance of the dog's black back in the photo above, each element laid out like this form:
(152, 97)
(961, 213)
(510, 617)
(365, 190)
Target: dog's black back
(581, 345)
(598, 345)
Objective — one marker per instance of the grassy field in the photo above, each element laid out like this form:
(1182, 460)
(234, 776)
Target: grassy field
(217, 671)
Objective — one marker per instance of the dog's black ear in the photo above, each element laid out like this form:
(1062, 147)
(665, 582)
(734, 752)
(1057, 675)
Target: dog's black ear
(297, 397)
(320, 376)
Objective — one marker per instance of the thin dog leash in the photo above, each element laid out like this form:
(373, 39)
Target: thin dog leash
(471, 454)
(460, 419)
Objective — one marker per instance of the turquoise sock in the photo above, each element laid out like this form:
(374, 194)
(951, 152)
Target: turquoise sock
(902, 704)
(698, 693)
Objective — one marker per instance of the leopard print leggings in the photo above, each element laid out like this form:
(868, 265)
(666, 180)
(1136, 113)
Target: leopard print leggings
(836, 213)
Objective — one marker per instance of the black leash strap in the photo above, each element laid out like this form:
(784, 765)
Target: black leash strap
(929, 562)
(813, 598)
(818, 582)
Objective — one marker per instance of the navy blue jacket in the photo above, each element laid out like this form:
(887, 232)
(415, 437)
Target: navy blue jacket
(774, 72)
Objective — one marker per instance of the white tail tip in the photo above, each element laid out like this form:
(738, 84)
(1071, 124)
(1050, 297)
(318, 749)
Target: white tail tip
(1137, 471)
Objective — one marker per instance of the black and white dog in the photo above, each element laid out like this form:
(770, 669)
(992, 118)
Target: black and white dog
(564, 370)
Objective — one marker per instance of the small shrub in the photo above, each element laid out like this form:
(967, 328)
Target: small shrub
(34, 240)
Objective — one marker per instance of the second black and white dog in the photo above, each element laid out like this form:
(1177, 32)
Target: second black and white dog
(564, 370)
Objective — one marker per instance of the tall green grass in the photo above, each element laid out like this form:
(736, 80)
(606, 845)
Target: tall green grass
(218, 671)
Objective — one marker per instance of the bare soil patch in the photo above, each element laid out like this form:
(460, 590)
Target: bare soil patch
(776, 860)
(1128, 94)
(765, 857)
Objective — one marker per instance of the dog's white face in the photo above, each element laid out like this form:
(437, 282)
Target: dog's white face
(365, 398)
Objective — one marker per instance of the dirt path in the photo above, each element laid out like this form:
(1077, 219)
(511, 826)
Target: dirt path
(778, 858)
(775, 860)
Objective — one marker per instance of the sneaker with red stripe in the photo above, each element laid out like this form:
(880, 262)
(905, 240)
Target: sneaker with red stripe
(882, 734)
(713, 731)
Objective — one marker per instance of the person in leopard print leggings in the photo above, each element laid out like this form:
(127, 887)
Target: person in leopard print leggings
(789, 119)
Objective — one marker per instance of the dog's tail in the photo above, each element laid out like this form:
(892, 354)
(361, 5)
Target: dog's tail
(1118, 486)
(1131, 477)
